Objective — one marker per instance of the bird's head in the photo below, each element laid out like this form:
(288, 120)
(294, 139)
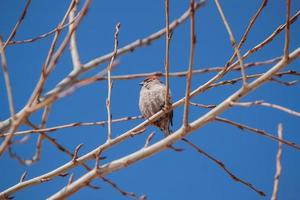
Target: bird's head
(150, 80)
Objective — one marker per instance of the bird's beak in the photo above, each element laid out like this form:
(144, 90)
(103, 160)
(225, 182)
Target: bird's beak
(141, 83)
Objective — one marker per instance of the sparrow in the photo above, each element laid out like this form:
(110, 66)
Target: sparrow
(152, 100)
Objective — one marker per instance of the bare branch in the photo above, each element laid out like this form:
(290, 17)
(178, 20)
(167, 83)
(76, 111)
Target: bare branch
(120, 190)
(149, 138)
(7, 80)
(109, 82)
(75, 156)
(23, 177)
(202, 105)
(252, 21)
(14, 31)
(36, 157)
(278, 165)
(235, 80)
(191, 62)
(176, 74)
(97, 159)
(95, 187)
(41, 137)
(272, 36)
(13, 117)
(233, 43)
(258, 131)
(222, 165)
(287, 30)
(71, 178)
(62, 149)
(286, 83)
(262, 103)
(44, 35)
(167, 54)
(73, 42)
(72, 125)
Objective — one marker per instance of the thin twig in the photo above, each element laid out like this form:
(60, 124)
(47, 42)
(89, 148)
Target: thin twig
(202, 105)
(167, 54)
(71, 178)
(41, 137)
(44, 35)
(75, 156)
(252, 21)
(262, 103)
(109, 82)
(14, 31)
(74, 124)
(7, 80)
(222, 165)
(191, 62)
(23, 140)
(8, 86)
(149, 138)
(286, 83)
(61, 147)
(97, 159)
(272, 36)
(14, 155)
(244, 37)
(73, 42)
(95, 187)
(258, 131)
(233, 43)
(36, 157)
(235, 80)
(176, 74)
(287, 30)
(23, 177)
(278, 165)
(120, 190)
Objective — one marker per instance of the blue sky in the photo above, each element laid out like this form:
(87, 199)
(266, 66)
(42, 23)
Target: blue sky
(167, 175)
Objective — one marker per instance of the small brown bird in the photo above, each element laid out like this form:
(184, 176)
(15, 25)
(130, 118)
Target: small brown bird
(152, 100)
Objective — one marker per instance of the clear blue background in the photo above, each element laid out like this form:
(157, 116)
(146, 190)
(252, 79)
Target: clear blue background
(167, 175)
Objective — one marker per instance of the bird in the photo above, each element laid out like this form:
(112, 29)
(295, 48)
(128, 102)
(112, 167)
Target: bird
(152, 100)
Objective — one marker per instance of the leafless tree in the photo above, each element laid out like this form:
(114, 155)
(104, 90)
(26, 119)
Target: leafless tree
(43, 100)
